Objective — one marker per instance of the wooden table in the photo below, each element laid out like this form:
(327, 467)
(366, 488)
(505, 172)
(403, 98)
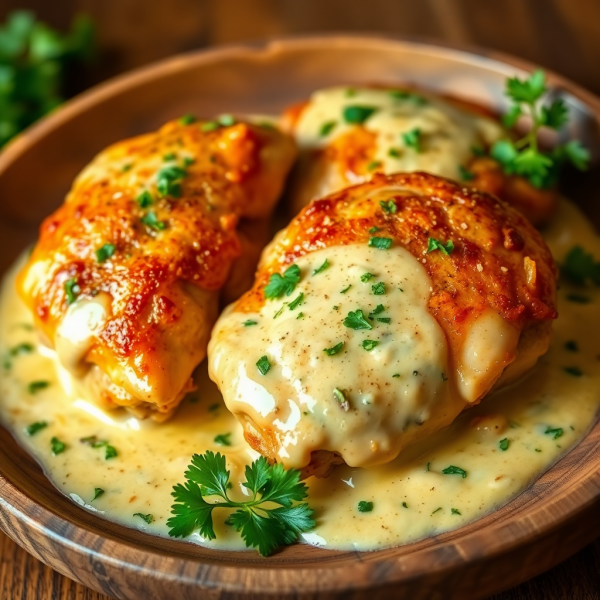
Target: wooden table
(560, 34)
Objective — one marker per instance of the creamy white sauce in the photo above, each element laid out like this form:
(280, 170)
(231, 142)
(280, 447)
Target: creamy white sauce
(447, 133)
(396, 389)
(152, 458)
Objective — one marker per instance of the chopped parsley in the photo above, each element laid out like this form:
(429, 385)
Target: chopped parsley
(427, 467)
(369, 345)
(374, 229)
(249, 323)
(396, 375)
(97, 493)
(223, 439)
(455, 511)
(94, 442)
(412, 139)
(356, 320)
(321, 268)
(346, 289)
(357, 115)
(148, 518)
(405, 505)
(524, 157)
(283, 284)
(572, 346)
(144, 199)
(126, 167)
(378, 288)
(555, 432)
(105, 252)
(334, 349)
(376, 311)
(226, 120)
(465, 174)
(394, 153)
(452, 470)
(23, 348)
(364, 506)
(169, 156)
(72, 290)
(36, 386)
(57, 446)
(260, 526)
(296, 302)
(300, 316)
(504, 444)
(188, 161)
(580, 267)
(366, 277)
(433, 244)
(374, 164)
(444, 378)
(327, 128)
(388, 206)
(168, 182)
(187, 119)
(436, 510)
(575, 371)
(406, 95)
(33, 428)
(280, 310)
(263, 365)
(380, 242)
(150, 220)
(340, 397)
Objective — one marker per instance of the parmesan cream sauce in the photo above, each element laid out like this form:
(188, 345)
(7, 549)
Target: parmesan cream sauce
(411, 496)
(447, 133)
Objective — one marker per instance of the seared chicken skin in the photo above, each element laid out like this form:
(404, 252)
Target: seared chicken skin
(378, 315)
(345, 135)
(125, 279)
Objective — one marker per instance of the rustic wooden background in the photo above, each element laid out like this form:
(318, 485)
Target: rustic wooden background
(563, 35)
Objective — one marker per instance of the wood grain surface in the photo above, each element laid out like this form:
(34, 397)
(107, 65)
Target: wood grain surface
(561, 34)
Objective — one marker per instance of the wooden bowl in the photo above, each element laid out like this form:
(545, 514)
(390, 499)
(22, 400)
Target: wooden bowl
(548, 522)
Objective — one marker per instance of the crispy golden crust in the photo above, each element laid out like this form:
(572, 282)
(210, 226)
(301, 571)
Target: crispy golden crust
(236, 172)
(499, 261)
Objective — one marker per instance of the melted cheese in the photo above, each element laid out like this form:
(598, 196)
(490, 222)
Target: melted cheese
(397, 391)
(448, 134)
(412, 496)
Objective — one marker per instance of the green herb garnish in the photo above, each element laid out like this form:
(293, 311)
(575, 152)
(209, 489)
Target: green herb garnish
(169, 156)
(144, 199)
(356, 320)
(249, 323)
(575, 371)
(436, 510)
(168, 181)
(369, 345)
(394, 153)
(380, 242)
(334, 349)
(346, 289)
(452, 470)
(148, 518)
(340, 397)
(366, 277)
(36, 386)
(364, 506)
(524, 157)
(283, 284)
(327, 128)
(57, 446)
(374, 164)
(72, 290)
(356, 115)
(260, 526)
(388, 206)
(378, 288)
(465, 174)
(405, 505)
(223, 439)
(321, 268)
(571, 346)
(97, 493)
(23, 348)
(297, 301)
(412, 139)
(455, 511)
(580, 267)
(433, 244)
(555, 432)
(187, 119)
(263, 365)
(33, 428)
(226, 120)
(105, 252)
(504, 444)
(150, 220)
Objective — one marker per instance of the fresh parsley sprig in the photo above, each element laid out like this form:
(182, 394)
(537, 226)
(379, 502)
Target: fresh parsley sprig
(260, 525)
(279, 285)
(524, 156)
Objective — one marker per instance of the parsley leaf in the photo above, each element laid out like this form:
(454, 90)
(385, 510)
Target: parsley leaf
(369, 345)
(455, 511)
(356, 320)
(151, 220)
(504, 444)
(296, 302)
(148, 518)
(465, 174)
(321, 268)
(378, 288)
(57, 446)
(334, 349)
(364, 506)
(412, 139)
(283, 284)
(528, 90)
(340, 397)
(144, 199)
(388, 206)
(36, 386)
(263, 365)
(261, 527)
(380, 242)
(433, 244)
(105, 252)
(374, 164)
(357, 115)
(452, 470)
(223, 439)
(72, 290)
(580, 267)
(327, 128)
(97, 493)
(33, 428)
(555, 432)
(366, 276)
(249, 323)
